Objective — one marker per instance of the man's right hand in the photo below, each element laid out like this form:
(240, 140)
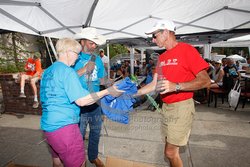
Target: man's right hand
(89, 67)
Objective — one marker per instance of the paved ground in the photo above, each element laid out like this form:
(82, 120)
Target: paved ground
(220, 138)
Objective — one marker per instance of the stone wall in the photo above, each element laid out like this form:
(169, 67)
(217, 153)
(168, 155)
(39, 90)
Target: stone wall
(11, 101)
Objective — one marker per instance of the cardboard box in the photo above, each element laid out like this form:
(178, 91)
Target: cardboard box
(116, 162)
(110, 162)
(16, 165)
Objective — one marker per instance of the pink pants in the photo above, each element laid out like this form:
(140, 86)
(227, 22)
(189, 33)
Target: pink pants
(67, 144)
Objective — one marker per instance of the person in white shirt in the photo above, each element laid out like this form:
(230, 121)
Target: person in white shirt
(219, 73)
(104, 58)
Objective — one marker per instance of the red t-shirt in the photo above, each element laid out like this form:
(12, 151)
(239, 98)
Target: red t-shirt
(180, 64)
(38, 67)
(32, 66)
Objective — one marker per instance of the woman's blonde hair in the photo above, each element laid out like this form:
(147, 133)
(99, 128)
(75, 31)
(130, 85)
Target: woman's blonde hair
(67, 44)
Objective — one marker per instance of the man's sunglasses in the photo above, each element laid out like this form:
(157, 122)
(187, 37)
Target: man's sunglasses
(154, 36)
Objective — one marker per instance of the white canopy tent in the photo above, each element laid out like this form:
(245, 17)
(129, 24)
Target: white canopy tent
(243, 41)
(235, 56)
(121, 19)
(242, 38)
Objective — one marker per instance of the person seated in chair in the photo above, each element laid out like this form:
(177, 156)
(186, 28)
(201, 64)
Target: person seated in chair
(219, 74)
(211, 69)
(231, 75)
(217, 81)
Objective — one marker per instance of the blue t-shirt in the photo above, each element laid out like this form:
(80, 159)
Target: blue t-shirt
(90, 82)
(59, 89)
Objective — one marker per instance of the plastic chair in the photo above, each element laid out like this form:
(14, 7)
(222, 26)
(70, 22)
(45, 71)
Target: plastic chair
(245, 94)
(215, 92)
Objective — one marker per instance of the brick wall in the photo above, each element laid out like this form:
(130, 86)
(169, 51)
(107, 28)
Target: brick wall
(11, 101)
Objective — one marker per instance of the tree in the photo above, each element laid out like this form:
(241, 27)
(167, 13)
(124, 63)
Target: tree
(231, 50)
(12, 47)
(15, 48)
(115, 49)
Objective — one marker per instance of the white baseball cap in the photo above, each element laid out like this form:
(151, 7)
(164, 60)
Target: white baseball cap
(162, 25)
(218, 61)
(90, 33)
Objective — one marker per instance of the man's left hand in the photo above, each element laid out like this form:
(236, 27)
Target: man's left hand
(165, 86)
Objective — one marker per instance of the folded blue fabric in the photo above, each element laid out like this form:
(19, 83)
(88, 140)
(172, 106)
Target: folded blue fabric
(118, 108)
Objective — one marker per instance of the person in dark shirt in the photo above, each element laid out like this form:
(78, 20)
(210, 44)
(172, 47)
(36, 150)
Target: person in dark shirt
(231, 74)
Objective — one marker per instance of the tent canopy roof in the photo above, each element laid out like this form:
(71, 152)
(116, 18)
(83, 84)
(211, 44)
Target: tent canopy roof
(119, 19)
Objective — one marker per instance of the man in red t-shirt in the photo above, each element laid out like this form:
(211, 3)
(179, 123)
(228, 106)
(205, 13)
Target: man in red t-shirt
(180, 71)
(33, 73)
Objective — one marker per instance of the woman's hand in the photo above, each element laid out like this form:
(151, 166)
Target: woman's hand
(114, 91)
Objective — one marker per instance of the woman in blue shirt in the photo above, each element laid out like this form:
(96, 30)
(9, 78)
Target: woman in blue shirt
(61, 95)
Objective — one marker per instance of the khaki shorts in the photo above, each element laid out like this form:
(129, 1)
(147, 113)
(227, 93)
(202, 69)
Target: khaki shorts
(34, 80)
(177, 121)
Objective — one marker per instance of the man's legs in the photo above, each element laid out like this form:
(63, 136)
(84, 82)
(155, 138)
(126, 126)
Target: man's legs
(83, 123)
(84, 120)
(22, 84)
(176, 127)
(34, 88)
(95, 126)
(172, 153)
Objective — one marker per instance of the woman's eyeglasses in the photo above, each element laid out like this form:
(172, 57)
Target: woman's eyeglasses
(74, 52)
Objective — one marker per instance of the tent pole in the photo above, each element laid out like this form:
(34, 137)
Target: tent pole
(132, 58)
(109, 61)
(46, 43)
(248, 51)
(142, 53)
(90, 15)
(52, 47)
(207, 51)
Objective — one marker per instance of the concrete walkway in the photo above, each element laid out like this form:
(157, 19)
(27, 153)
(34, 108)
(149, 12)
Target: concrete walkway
(220, 138)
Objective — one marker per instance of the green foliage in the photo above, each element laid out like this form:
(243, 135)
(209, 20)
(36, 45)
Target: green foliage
(13, 50)
(230, 50)
(115, 49)
(10, 66)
